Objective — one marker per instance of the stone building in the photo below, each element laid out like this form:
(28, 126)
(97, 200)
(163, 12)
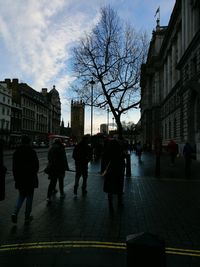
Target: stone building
(34, 113)
(5, 111)
(77, 119)
(170, 79)
(54, 111)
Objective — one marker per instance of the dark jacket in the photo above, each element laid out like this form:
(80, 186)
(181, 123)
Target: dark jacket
(57, 160)
(25, 168)
(188, 151)
(82, 154)
(114, 177)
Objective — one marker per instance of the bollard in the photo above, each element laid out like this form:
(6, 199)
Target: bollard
(157, 166)
(128, 165)
(145, 249)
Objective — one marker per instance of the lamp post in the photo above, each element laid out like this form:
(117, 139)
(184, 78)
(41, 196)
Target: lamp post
(107, 120)
(92, 82)
(113, 122)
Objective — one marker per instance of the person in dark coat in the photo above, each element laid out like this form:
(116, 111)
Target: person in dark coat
(82, 154)
(3, 170)
(172, 148)
(25, 168)
(57, 165)
(114, 176)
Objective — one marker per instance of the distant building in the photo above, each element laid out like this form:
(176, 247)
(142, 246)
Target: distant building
(104, 128)
(5, 111)
(77, 119)
(34, 113)
(65, 130)
(55, 111)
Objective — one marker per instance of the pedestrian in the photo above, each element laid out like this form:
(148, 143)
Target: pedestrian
(172, 149)
(187, 153)
(57, 165)
(82, 154)
(3, 170)
(25, 168)
(104, 160)
(139, 150)
(114, 172)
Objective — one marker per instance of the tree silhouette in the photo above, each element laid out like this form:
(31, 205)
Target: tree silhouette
(111, 55)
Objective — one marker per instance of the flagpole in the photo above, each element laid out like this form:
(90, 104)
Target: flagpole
(158, 17)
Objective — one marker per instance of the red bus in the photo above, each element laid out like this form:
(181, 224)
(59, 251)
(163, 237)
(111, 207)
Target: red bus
(64, 139)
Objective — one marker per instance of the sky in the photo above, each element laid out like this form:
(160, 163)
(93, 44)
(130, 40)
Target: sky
(37, 36)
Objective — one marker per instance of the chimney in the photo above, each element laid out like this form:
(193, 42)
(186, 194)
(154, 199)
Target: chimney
(44, 91)
(7, 81)
(15, 81)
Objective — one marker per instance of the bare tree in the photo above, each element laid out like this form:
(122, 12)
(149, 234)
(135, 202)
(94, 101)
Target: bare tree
(112, 55)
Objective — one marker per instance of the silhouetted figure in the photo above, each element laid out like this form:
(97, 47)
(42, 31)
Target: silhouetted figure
(82, 154)
(172, 149)
(25, 169)
(104, 160)
(3, 170)
(187, 152)
(114, 177)
(57, 165)
(139, 150)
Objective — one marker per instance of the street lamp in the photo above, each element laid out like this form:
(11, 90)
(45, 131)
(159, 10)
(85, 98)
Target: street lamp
(108, 121)
(92, 82)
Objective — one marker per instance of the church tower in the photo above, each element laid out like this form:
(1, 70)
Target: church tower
(77, 119)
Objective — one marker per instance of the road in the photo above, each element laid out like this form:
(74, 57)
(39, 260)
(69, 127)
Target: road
(81, 231)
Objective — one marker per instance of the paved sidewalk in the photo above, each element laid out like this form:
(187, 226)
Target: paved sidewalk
(82, 232)
(146, 168)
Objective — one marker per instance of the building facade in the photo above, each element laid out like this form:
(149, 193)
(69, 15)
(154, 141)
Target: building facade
(170, 80)
(5, 111)
(37, 114)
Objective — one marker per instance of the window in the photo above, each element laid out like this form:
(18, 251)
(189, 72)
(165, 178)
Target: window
(175, 132)
(169, 129)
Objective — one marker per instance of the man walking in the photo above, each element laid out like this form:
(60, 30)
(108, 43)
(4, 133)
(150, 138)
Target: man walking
(25, 169)
(82, 155)
(57, 165)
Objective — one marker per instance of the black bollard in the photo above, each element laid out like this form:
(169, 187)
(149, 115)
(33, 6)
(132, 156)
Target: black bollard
(128, 165)
(145, 249)
(157, 166)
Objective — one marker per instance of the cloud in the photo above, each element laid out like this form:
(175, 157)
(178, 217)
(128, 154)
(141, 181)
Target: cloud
(36, 37)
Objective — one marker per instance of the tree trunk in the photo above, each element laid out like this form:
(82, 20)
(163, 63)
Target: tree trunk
(119, 127)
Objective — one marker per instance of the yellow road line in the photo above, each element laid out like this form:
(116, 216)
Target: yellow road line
(63, 244)
(89, 244)
(184, 252)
